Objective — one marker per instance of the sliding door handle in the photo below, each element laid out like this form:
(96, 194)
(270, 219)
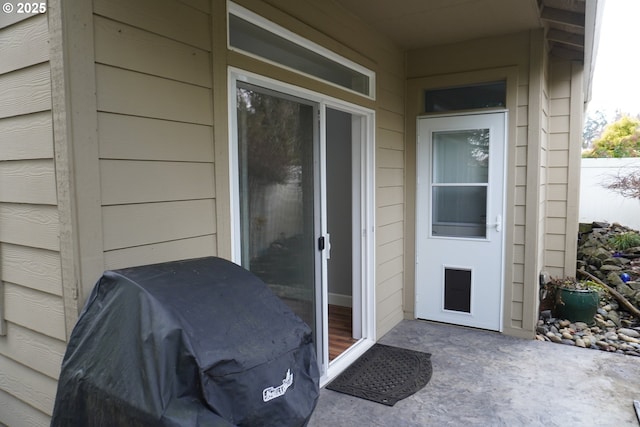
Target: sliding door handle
(324, 242)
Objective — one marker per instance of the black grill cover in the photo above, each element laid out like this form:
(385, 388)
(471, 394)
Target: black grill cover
(199, 342)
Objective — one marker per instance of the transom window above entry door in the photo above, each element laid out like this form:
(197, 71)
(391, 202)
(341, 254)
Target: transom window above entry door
(473, 97)
(253, 35)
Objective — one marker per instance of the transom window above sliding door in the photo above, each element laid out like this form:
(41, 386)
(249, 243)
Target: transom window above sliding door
(254, 35)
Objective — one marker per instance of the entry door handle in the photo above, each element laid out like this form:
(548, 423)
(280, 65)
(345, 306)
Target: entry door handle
(497, 224)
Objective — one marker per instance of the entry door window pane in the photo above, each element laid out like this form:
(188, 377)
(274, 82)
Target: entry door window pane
(459, 183)
(461, 156)
(275, 153)
(459, 211)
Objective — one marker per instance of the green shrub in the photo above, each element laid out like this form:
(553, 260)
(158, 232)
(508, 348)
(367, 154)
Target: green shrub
(625, 241)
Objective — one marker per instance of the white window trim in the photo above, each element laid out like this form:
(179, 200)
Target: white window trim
(247, 15)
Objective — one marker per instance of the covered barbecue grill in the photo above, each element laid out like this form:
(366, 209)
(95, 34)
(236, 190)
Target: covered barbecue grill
(187, 343)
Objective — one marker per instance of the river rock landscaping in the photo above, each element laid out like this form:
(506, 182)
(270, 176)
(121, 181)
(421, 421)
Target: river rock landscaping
(609, 254)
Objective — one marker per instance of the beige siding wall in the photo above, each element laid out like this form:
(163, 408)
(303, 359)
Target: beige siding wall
(390, 203)
(518, 58)
(33, 321)
(155, 130)
(563, 172)
(544, 163)
(536, 185)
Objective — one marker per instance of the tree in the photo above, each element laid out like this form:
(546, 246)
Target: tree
(619, 139)
(593, 128)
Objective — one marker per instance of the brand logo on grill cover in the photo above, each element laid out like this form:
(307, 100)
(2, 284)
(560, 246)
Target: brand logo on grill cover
(270, 393)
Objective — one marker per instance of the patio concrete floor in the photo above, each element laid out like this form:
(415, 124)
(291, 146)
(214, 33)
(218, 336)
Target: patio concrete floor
(483, 378)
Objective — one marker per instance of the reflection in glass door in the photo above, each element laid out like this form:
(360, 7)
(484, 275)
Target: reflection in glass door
(277, 138)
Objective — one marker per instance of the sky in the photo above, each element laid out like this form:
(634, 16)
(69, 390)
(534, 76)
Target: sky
(616, 80)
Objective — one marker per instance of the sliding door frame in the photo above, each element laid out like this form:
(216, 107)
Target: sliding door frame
(363, 197)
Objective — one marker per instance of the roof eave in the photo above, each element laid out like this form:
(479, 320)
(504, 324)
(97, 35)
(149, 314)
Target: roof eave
(593, 19)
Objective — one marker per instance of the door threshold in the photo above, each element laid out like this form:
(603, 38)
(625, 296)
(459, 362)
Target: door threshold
(460, 325)
(344, 360)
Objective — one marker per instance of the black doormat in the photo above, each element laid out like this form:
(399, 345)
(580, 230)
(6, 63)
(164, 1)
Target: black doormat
(385, 374)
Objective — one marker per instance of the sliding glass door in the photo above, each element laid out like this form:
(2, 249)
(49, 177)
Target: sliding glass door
(278, 178)
(302, 188)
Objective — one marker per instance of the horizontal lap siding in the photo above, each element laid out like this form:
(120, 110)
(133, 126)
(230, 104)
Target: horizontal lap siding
(27, 137)
(147, 52)
(35, 310)
(390, 193)
(560, 234)
(548, 175)
(29, 225)
(133, 93)
(25, 91)
(141, 138)
(180, 220)
(517, 280)
(15, 412)
(155, 130)
(171, 19)
(27, 385)
(30, 266)
(132, 181)
(34, 268)
(28, 181)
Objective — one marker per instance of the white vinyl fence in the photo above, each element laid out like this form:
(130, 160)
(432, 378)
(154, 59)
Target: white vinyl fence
(597, 203)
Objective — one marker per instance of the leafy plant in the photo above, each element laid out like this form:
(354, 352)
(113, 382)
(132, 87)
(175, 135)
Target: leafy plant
(572, 283)
(591, 285)
(550, 290)
(624, 241)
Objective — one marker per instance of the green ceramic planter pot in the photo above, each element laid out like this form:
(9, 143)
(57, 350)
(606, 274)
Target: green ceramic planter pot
(577, 305)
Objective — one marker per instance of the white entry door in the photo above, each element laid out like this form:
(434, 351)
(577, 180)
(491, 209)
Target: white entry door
(459, 219)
